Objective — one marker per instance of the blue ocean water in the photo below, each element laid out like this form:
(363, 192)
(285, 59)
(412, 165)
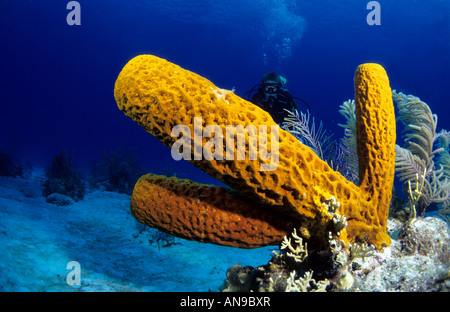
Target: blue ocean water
(57, 80)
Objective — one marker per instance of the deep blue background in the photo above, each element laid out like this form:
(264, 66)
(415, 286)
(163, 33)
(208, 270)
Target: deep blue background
(57, 80)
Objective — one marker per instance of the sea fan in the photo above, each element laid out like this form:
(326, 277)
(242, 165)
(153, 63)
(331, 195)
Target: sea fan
(444, 166)
(422, 144)
(349, 164)
(340, 156)
(322, 143)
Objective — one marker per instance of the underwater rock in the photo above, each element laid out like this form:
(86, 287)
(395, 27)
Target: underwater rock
(417, 261)
(239, 279)
(59, 199)
(428, 237)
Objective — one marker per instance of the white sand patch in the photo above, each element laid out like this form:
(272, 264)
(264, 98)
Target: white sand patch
(38, 239)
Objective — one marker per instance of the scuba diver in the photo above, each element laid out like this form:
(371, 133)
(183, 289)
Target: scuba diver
(272, 96)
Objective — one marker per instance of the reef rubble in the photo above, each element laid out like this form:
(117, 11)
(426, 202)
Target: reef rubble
(417, 260)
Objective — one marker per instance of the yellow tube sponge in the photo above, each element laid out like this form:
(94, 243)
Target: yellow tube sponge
(209, 214)
(295, 182)
(376, 130)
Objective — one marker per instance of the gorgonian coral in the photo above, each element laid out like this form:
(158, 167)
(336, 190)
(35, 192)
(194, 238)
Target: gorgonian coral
(415, 162)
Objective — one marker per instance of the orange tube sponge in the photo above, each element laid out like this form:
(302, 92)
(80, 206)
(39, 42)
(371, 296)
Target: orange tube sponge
(160, 96)
(209, 214)
(376, 129)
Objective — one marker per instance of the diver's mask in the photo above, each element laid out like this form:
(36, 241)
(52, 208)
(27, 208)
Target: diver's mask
(271, 88)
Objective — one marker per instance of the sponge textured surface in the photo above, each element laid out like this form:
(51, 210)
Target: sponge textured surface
(159, 95)
(376, 130)
(210, 214)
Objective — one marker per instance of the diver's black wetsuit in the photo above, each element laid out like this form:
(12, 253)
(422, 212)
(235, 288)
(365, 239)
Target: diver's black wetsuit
(275, 106)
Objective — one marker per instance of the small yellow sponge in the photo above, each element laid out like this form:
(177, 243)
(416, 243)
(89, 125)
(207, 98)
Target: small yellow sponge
(159, 95)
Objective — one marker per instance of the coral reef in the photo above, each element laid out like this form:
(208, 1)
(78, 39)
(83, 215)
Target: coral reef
(417, 260)
(63, 179)
(159, 95)
(415, 162)
(297, 268)
(423, 164)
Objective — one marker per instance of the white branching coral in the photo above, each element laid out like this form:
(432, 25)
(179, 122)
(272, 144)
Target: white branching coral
(305, 283)
(299, 252)
(339, 222)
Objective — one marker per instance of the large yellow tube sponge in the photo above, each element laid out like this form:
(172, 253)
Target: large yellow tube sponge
(210, 214)
(160, 96)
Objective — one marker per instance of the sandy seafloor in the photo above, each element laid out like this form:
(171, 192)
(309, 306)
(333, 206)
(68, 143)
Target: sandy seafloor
(38, 239)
